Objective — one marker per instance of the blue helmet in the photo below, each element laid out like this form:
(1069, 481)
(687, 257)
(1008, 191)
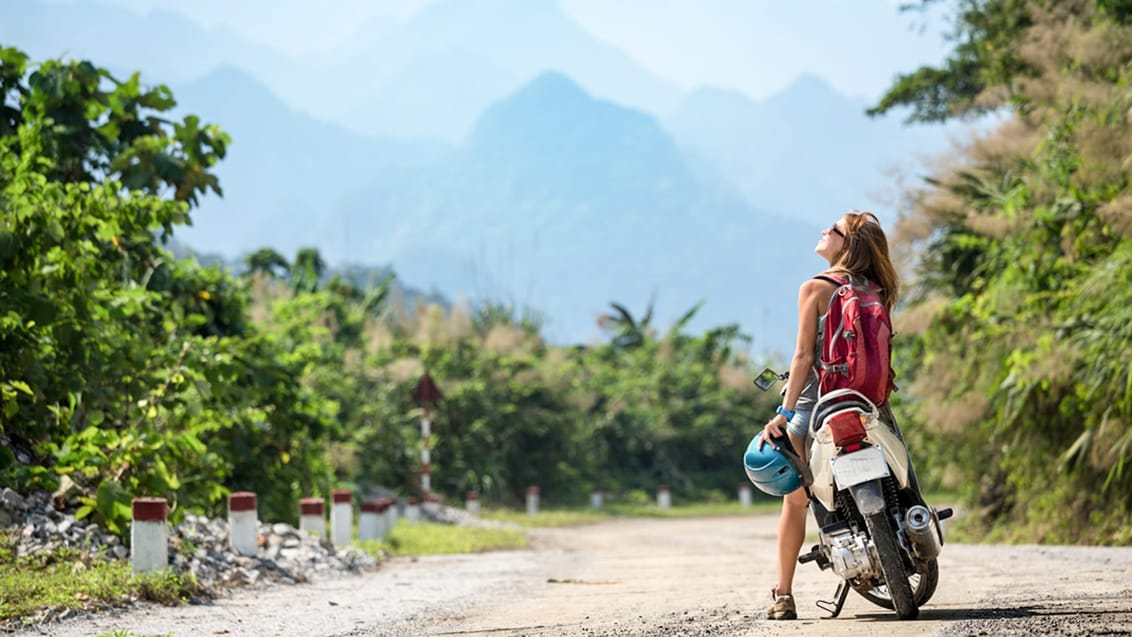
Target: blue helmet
(774, 469)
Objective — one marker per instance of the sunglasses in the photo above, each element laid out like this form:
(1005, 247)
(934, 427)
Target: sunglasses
(837, 231)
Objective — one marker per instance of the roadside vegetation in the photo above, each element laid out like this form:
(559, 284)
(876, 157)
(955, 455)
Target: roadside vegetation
(427, 538)
(1014, 339)
(431, 538)
(571, 517)
(71, 579)
(131, 371)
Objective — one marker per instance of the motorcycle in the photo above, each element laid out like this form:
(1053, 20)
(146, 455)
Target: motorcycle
(875, 531)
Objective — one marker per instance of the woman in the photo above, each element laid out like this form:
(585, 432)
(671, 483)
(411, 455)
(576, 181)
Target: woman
(855, 246)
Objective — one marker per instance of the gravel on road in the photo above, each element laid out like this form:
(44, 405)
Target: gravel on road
(640, 577)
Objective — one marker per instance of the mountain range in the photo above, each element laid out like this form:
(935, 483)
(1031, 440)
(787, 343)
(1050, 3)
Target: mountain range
(493, 148)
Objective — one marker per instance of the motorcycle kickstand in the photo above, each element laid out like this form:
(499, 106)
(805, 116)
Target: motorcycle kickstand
(834, 608)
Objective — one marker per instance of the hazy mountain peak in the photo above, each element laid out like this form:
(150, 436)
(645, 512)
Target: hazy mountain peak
(551, 86)
(548, 108)
(236, 86)
(809, 88)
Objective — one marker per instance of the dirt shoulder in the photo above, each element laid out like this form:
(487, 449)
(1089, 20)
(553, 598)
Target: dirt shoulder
(706, 576)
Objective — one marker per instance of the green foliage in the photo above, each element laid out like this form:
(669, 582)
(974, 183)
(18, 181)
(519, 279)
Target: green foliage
(129, 371)
(134, 374)
(985, 34)
(634, 505)
(428, 538)
(1021, 385)
(71, 579)
(91, 124)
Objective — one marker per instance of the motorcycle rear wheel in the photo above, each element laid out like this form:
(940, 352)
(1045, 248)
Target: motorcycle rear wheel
(922, 584)
(892, 565)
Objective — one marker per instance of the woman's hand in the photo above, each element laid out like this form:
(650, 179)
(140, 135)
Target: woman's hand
(776, 428)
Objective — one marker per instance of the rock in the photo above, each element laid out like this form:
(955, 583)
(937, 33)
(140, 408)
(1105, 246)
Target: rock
(197, 545)
(12, 501)
(67, 494)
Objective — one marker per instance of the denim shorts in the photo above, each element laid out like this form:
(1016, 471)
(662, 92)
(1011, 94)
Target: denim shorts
(799, 425)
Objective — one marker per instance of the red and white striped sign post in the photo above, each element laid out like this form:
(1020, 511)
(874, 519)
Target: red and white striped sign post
(368, 521)
(425, 393)
(663, 497)
(148, 535)
(243, 527)
(342, 516)
(312, 517)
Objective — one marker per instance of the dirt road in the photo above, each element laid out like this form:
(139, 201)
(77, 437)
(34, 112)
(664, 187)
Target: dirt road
(656, 577)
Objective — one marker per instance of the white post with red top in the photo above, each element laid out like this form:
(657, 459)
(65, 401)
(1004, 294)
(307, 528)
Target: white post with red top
(312, 516)
(663, 497)
(390, 515)
(596, 499)
(342, 516)
(368, 521)
(744, 495)
(383, 527)
(149, 536)
(532, 500)
(472, 502)
(243, 527)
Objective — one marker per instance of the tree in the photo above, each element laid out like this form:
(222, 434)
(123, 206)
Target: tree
(97, 126)
(268, 262)
(984, 56)
(1012, 385)
(306, 272)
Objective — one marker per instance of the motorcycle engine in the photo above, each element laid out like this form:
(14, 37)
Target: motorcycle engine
(848, 552)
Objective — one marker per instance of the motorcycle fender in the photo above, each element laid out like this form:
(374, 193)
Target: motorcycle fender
(895, 453)
(869, 497)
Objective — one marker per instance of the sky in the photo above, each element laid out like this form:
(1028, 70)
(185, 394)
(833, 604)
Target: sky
(753, 46)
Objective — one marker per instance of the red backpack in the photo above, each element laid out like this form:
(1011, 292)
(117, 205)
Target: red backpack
(856, 348)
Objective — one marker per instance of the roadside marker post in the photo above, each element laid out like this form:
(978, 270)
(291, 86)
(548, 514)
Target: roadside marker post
(390, 515)
(342, 516)
(532, 500)
(149, 536)
(425, 394)
(663, 497)
(596, 499)
(412, 510)
(243, 527)
(744, 495)
(368, 521)
(383, 527)
(472, 502)
(312, 517)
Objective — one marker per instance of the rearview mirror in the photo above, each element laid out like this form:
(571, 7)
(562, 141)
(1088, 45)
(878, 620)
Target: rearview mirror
(766, 378)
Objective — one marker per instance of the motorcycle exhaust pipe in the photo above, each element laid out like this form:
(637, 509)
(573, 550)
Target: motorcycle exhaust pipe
(923, 532)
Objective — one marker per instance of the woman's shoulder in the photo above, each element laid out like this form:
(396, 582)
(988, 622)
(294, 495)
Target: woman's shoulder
(817, 291)
(824, 280)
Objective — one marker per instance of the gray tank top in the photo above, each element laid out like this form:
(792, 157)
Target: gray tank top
(809, 396)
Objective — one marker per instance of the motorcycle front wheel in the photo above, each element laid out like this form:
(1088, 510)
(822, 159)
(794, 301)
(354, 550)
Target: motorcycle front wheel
(922, 584)
(892, 566)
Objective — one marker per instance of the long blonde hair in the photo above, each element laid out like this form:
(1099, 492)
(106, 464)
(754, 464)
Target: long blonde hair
(865, 254)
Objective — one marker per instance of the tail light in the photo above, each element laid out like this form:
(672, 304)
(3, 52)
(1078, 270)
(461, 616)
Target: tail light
(846, 427)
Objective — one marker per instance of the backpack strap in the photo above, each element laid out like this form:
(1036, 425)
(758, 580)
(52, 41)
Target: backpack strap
(836, 280)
